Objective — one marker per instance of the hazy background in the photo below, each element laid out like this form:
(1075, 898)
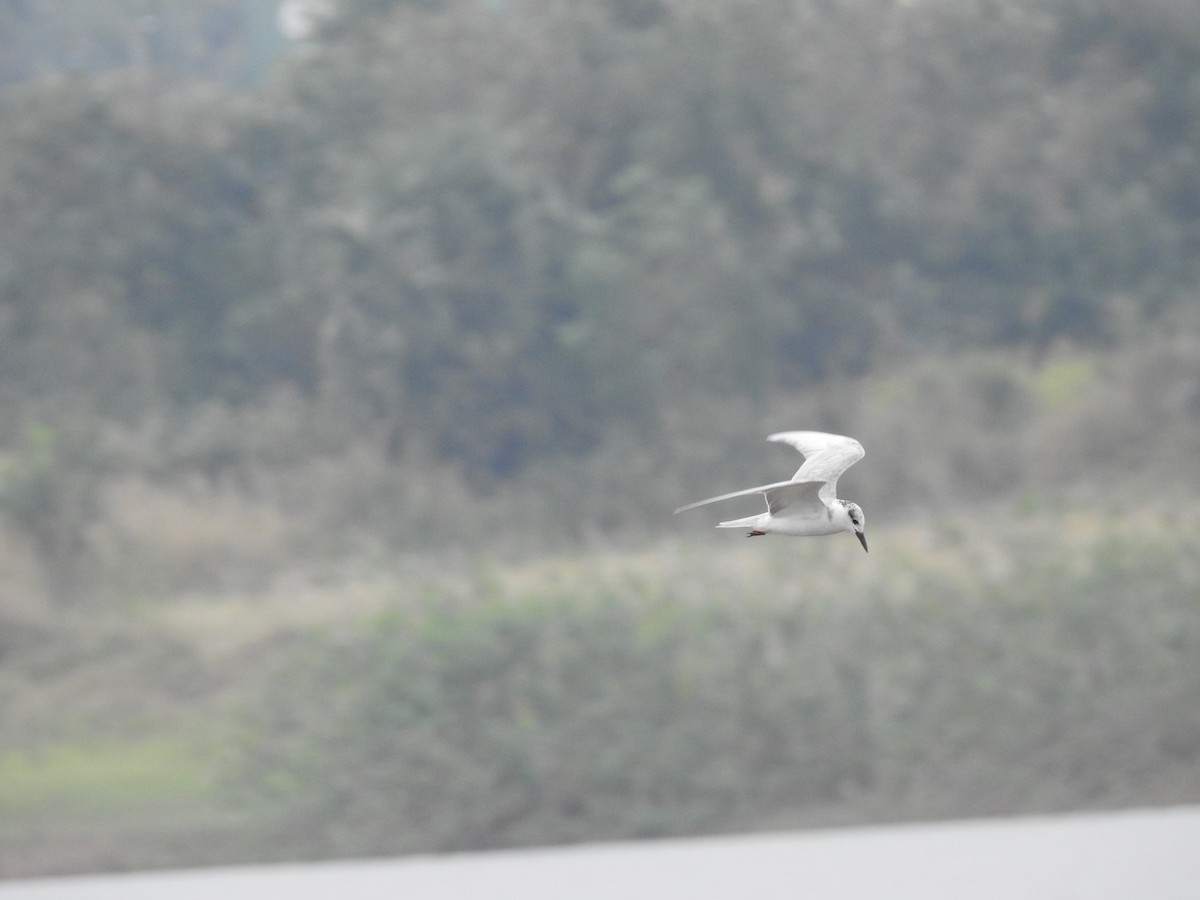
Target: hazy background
(350, 370)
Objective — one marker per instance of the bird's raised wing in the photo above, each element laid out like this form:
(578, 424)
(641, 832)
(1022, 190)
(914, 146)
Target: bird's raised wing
(826, 456)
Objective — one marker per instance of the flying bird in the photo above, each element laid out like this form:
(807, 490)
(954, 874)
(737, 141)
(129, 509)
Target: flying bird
(807, 504)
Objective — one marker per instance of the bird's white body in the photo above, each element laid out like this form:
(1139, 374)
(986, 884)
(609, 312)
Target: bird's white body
(831, 518)
(807, 505)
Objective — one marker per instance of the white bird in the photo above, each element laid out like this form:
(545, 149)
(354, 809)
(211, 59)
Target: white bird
(808, 503)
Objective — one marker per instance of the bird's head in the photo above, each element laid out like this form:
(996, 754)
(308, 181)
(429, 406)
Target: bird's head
(858, 521)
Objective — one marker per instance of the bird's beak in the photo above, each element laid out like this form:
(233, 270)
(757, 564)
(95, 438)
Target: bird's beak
(862, 539)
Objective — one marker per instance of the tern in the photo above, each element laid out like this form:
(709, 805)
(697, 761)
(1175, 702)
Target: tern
(807, 504)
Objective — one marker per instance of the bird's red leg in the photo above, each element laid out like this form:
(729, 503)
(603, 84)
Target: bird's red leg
(756, 534)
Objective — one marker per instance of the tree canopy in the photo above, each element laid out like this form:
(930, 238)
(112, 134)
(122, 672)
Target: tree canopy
(508, 233)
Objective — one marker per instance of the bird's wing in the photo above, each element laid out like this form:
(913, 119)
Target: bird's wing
(800, 498)
(761, 489)
(826, 456)
(779, 495)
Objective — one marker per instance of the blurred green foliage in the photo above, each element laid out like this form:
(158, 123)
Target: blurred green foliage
(499, 233)
(502, 280)
(1035, 669)
(49, 490)
(1040, 660)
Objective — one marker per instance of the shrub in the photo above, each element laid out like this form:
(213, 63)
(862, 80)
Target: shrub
(1047, 671)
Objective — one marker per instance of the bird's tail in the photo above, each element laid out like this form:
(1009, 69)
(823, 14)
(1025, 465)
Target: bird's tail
(748, 522)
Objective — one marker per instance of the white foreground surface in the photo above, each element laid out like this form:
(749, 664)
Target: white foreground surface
(1135, 854)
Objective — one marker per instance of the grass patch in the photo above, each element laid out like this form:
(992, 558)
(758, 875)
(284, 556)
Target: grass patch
(89, 781)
